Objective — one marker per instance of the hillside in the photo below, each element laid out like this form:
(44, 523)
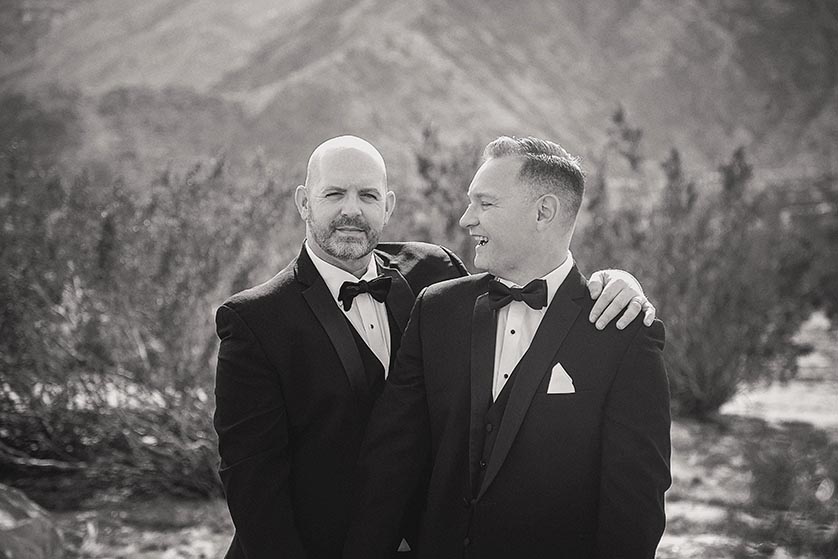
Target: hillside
(170, 80)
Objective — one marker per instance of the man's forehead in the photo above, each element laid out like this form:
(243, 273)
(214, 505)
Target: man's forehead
(343, 155)
(496, 176)
(346, 166)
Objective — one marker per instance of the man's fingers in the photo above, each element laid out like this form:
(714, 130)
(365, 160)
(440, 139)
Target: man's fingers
(595, 286)
(614, 299)
(633, 309)
(597, 281)
(605, 297)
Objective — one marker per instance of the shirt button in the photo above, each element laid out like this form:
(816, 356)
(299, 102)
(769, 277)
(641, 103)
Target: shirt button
(372, 326)
(512, 332)
(489, 427)
(505, 375)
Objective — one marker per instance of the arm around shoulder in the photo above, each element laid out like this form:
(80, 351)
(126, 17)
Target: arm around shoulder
(251, 422)
(456, 263)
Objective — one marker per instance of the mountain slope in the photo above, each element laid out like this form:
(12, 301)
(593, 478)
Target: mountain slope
(702, 75)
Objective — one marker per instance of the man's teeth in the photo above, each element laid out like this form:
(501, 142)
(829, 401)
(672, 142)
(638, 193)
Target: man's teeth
(482, 241)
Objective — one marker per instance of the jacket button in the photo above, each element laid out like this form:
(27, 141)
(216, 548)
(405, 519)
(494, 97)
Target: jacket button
(489, 427)
(466, 502)
(482, 464)
(466, 542)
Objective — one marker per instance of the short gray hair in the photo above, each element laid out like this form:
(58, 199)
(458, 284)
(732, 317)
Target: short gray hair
(547, 167)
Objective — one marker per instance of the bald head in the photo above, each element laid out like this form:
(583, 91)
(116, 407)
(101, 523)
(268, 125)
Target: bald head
(345, 202)
(348, 158)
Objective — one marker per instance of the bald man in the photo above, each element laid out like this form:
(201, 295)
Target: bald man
(304, 356)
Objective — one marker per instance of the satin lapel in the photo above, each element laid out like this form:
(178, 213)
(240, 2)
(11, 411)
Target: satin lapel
(323, 306)
(400, 299)
(483, 331)
(531, 369)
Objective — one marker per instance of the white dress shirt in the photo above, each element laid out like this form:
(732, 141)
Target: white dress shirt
(517, 325)
(368, 316)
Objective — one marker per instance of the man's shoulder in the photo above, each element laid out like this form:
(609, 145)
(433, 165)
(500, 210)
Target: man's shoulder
(403, 251)
(653, 336)
(636, 333)
(467, 287)
(421, 263)
(281, 285)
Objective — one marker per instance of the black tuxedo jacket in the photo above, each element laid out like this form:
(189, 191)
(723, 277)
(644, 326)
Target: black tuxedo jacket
(576, 475)
(293, 399)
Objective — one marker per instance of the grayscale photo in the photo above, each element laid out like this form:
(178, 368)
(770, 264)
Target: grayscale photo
(428, 279)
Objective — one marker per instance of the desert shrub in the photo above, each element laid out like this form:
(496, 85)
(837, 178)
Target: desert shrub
(430, 209)
(107, 338)
(718, 273)
(793, 487)
(727, 271)
(815, 225)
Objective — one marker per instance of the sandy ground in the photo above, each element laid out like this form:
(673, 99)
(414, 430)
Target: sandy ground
(722, 505)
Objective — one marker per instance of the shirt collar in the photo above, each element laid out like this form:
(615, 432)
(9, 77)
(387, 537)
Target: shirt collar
(334, 276)
(554, 279)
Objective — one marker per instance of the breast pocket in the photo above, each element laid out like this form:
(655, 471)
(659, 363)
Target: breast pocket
(584, 399)
(570, 416)
(562, 433)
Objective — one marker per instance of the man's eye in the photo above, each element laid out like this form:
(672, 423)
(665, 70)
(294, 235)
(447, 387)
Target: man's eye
(332, 194)
(369, 196)
(485, 204)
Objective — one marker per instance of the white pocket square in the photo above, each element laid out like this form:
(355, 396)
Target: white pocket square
(560, 381)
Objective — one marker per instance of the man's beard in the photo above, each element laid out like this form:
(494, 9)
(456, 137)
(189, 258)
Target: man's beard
(327, 238)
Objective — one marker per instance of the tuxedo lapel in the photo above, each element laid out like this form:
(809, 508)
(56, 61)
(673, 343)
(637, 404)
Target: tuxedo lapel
(484, 321)
(400, 298)
(533, 366)
(323, 305)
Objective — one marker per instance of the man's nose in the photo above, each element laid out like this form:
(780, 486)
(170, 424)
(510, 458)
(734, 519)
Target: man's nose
(468, 219)
(351, 206)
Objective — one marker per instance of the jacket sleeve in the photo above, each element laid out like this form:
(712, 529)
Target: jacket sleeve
(394, 455)
(251, 422)
(635, 452)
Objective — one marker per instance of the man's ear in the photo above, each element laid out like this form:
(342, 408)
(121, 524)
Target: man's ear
(547, 208)
(301, 201)
(389, 205)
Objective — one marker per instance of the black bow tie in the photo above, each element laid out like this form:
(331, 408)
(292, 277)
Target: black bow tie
(533, 294)
(377, 288)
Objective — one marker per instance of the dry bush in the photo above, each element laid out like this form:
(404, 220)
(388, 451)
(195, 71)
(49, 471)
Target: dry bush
(107, 339)
(793, 485)
(729, 273)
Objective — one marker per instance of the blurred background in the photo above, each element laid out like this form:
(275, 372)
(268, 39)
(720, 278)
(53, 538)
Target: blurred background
(149, 151)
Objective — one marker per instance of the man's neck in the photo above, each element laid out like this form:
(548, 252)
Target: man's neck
(539, 269)
(356, 267)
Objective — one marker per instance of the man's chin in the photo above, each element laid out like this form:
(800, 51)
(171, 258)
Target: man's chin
(485, 265)
(351, 250)
(480, 263)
